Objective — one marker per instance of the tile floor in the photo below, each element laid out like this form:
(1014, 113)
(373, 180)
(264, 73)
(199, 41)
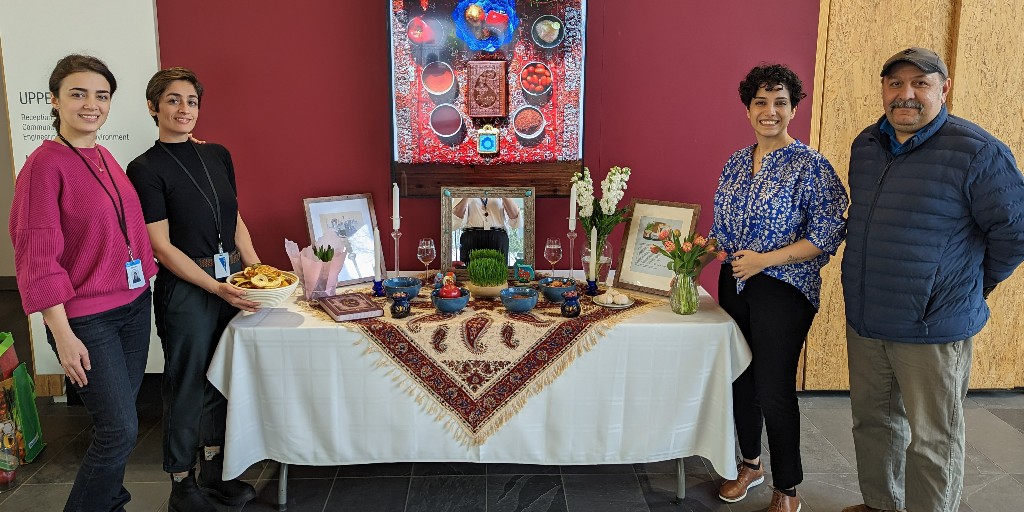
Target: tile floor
(994, 477)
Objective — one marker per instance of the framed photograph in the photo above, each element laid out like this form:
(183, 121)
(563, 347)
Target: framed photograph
(352, 218)
(639, 269)
(486, 93)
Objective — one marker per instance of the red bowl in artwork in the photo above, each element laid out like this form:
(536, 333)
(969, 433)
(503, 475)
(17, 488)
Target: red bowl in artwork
(528, 122)
(535, 79)
(438, 78)
(446, 122)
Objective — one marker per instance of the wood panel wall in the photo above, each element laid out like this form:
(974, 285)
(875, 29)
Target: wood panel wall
(988, 87)
(984, 48)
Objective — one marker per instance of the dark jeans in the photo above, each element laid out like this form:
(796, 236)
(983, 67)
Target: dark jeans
(118, 344)
(189, 321)
(774, 317)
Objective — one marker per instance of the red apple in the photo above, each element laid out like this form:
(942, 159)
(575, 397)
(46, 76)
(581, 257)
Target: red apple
(449, 291)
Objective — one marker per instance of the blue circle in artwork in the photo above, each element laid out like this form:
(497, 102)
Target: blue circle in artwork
(487, 143)
(494, 39)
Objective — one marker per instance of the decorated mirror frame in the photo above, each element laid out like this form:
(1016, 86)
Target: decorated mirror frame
(528, 216)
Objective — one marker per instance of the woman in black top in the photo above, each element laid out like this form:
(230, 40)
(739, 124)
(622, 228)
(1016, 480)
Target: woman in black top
(189, 201)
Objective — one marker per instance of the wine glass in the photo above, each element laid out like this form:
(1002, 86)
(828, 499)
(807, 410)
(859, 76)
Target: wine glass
(426, 252)
(553, 252)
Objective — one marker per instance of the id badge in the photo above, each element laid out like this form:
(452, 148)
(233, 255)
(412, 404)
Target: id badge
(221, 267)
(136, 279)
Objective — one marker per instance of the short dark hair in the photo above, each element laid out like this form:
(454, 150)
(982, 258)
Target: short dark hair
(76, 63)
(162, 80)
(769, 76)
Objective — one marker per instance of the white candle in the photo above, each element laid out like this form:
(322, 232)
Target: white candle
(593, 253)
(378, 255)
(572, 208)
(397, 220)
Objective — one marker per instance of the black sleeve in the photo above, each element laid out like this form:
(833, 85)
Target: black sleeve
(225, 157)
(150, 189)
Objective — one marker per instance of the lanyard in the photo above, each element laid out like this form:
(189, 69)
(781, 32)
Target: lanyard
(122, 219)
(484, 201)
(215, 204)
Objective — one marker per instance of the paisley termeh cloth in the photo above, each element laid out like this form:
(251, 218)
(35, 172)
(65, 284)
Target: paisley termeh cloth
(476, 369)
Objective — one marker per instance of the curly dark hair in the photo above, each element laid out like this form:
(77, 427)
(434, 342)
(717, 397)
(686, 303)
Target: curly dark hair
(769, 76)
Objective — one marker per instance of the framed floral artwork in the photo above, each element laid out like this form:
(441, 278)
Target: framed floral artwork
(352, 218)
(640, 269)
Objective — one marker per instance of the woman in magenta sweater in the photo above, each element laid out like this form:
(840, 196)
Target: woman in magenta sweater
(83, 259)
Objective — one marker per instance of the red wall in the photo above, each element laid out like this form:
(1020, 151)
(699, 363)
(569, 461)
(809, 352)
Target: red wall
(300, 97)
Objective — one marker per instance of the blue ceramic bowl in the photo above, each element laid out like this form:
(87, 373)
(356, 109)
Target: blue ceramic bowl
(409, 285)
(519, 299)
(554, 293)
(449, 305)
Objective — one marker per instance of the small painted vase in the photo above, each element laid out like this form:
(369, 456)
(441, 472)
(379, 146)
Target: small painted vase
(571, 306)
(378, 288)
(400, 307)
(591, 287)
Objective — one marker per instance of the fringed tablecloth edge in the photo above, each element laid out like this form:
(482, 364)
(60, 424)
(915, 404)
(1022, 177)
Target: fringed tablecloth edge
(450, 420)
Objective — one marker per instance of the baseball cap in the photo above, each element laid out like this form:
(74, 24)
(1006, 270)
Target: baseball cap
(927, 60)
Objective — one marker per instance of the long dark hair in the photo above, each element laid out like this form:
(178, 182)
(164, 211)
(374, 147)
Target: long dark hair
(76, 63)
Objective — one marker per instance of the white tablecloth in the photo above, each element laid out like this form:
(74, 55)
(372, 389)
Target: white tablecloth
(304, 391)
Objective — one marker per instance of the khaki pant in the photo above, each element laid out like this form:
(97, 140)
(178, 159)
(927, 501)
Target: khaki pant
(908, 421)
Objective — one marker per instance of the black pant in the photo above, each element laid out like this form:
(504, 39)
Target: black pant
(189, 321)
(774, 317)
(476, 238)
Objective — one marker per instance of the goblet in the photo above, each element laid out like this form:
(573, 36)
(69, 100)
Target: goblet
(426, 252)
(553, 252)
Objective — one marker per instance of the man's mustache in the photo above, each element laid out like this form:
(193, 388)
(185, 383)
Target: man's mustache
(905, 104)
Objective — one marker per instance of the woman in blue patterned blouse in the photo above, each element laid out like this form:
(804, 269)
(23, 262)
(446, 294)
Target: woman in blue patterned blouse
(778, 215)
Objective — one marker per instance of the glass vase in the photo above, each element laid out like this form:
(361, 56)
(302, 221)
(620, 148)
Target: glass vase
(604, 263)
(683, 295)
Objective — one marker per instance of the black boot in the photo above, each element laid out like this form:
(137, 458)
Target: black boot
(232, 492)
(186, 496)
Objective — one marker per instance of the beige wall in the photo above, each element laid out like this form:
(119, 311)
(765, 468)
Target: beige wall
(984, 48)
(6, 181)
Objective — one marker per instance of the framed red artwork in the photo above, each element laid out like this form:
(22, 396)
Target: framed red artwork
(486, 93)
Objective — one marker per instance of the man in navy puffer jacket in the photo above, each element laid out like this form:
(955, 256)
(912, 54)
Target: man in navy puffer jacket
(936, 221)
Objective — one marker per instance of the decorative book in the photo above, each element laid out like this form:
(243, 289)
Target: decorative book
(487, 89)
(350, 306)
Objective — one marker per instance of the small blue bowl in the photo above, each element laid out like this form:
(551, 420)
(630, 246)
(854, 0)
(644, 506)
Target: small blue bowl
(409, 285)
(519, 299)
(449, 305)
(554, 293)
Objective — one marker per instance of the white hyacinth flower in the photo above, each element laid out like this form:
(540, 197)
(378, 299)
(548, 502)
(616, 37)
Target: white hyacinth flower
(584, 192)
(613, 189)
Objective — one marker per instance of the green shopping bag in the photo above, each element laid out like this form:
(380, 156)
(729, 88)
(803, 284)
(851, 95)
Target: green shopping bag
(28, 415)
(8, 358)
(19, 400)
(9, 448)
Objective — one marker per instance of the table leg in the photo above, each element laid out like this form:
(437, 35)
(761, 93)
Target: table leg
(282, 486)
(680, 482)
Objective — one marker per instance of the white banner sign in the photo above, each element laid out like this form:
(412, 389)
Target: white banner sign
(34, 35)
